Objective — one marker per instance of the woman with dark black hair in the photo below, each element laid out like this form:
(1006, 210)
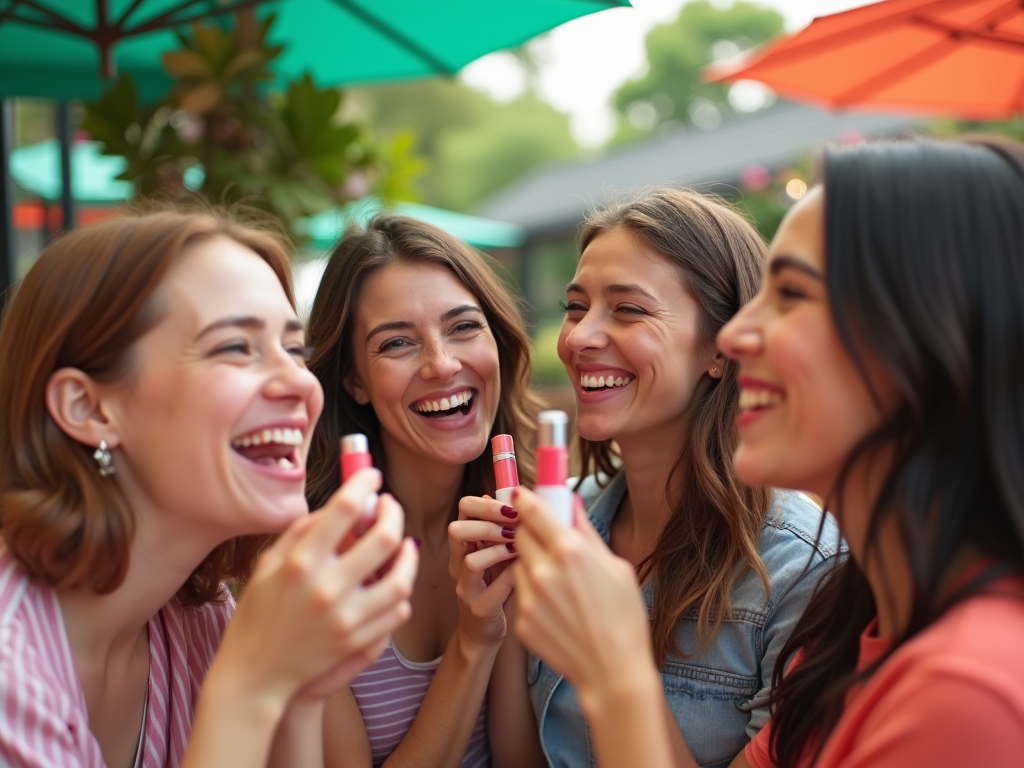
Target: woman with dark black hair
(880, 367)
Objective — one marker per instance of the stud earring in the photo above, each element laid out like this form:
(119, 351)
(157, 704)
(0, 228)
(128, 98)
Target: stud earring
(104, 459)
(714, 371)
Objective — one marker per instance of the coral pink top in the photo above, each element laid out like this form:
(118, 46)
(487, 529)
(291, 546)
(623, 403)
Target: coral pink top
(951, 696)
(43, 719)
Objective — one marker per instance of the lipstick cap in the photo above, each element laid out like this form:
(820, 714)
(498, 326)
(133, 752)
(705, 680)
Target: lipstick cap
(551, 428)
(501, 445)
(354, 443)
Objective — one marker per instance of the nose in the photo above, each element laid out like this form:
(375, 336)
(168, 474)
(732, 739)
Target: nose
(439, 362)
(741, 337)
(290, 379)
(586, 333)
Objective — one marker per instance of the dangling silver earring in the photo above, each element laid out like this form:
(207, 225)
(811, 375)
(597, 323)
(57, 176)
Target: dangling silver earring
(104, 459)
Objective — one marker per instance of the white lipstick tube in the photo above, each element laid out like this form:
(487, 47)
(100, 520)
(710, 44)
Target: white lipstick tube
(553, 464)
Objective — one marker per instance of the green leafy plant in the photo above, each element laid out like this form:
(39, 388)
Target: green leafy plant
(219, 133)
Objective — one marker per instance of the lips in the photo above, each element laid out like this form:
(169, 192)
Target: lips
(458, 402)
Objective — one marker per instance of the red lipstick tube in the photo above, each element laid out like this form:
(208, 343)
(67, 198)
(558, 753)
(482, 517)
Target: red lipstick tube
(553, 464)
(355, 455)
(506, 475)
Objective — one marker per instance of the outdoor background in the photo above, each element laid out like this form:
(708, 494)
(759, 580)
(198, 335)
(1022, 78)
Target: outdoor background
(599, 105)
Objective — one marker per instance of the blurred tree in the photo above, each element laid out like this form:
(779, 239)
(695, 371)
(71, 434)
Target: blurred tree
(474, 144)
(218, 133)
(672, 91)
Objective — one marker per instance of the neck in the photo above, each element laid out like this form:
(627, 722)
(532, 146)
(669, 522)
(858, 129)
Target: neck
(427, 490)
(648, 466)
(108, 626)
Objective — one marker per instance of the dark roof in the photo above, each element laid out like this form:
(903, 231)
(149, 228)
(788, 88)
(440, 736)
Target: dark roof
(555, 198)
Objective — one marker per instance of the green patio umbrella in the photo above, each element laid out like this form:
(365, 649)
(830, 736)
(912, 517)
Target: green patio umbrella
(62, 49)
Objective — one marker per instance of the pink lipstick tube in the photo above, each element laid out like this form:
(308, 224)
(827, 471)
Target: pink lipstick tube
(506, 475)
(355, 455)
(553, 464)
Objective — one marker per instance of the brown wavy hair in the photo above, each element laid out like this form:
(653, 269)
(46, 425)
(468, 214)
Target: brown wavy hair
(712, 535)
(389, 239)
(83, 305)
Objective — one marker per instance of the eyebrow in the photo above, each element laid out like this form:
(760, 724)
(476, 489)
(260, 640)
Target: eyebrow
(401, 325)
(249, 322)
(631, 288)
(782, 262)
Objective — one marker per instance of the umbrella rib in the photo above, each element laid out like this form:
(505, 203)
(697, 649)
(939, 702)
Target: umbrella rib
(1000, 38)
(867, 29)
(893, 74)
(119, 25)
(396, 36)
(169, 19)
(56, 20)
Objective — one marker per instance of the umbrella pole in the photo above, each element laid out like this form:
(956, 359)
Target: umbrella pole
(67, 197)
(7, 253)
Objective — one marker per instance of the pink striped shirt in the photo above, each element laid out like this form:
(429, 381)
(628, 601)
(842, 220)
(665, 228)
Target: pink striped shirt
(389, 694)
(43, 719)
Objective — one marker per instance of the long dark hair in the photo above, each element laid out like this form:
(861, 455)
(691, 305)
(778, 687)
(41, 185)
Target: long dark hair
(389, 239)
(712, 535)
(924, 247)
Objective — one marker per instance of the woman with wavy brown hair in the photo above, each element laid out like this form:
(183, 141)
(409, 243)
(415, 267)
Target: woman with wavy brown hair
(157, 412)
(420, 347)
(725, 569)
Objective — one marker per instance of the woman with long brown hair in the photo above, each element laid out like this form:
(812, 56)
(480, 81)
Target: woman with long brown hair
(156, 414)
(420, 347)
(725, 569)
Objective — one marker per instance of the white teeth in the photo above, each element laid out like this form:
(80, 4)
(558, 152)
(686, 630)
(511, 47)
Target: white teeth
(758, 398)
(283, 436)
(603, 382)
(445, 403)
(285, 463)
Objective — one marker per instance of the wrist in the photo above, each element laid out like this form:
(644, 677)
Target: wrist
(473, 651)
(626, 694)
(228, 688)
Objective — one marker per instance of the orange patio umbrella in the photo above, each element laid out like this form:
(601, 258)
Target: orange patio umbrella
(957, 58)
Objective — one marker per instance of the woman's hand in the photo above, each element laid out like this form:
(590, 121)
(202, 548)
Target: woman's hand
(481, 544)
(311, 618)
(580, 607)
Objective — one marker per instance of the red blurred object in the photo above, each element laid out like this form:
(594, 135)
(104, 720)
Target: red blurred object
(31, 216)
(956, 58)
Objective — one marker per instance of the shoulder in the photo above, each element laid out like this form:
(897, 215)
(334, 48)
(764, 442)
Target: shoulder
(601, 496)
(795, 523)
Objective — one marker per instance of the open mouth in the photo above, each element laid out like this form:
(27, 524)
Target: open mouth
(758, 399)
(270, 447)
(598, 383)
(458, 404)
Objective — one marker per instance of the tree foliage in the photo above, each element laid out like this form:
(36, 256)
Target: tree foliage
(218, 132)
(672, 89)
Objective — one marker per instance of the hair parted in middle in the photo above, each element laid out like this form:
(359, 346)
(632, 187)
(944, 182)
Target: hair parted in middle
(390, 239)
(712, 535)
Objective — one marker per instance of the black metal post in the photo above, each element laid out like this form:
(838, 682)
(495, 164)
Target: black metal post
(7, 252)
(65, 134)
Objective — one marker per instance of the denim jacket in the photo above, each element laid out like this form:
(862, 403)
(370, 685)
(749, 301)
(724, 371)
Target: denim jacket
(719, 696)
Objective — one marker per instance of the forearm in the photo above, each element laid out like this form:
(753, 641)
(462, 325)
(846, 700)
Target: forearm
(298, 741)
(628, 723)
(231, 725)
(438, 736)
(511, 725)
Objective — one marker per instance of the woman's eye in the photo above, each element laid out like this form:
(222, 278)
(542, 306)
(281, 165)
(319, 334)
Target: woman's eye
(301, 353)
(630, 309)
(234, 347)
(467, 325)
(571, 306)
(788, 292)
(393, 344)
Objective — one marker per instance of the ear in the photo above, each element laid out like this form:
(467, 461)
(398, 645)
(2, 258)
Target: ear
(717, 367)
(354, 386)
(75, 403)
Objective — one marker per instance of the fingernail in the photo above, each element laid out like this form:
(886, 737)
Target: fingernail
(511, 548)
(509, 512)
(416, 541)
(515, 494)
(508, 533)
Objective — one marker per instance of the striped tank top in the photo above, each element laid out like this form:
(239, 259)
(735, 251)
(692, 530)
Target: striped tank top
(389, 693)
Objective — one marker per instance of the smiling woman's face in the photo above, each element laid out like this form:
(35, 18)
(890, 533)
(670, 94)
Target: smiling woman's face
(214, 425)
(803, 403)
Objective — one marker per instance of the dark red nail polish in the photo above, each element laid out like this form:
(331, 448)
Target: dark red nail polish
(508, 533)
(417, 542)
(515, 494)
(507, 511)
(511, 548)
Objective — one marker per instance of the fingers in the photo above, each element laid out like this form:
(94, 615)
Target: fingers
(485, 508)
(376, 547)
(467, 531)
(272, 558)
(536, 517)
(342, 511)
(392, 589)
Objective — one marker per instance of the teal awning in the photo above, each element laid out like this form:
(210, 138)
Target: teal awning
(36, 169)
(325, 228)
